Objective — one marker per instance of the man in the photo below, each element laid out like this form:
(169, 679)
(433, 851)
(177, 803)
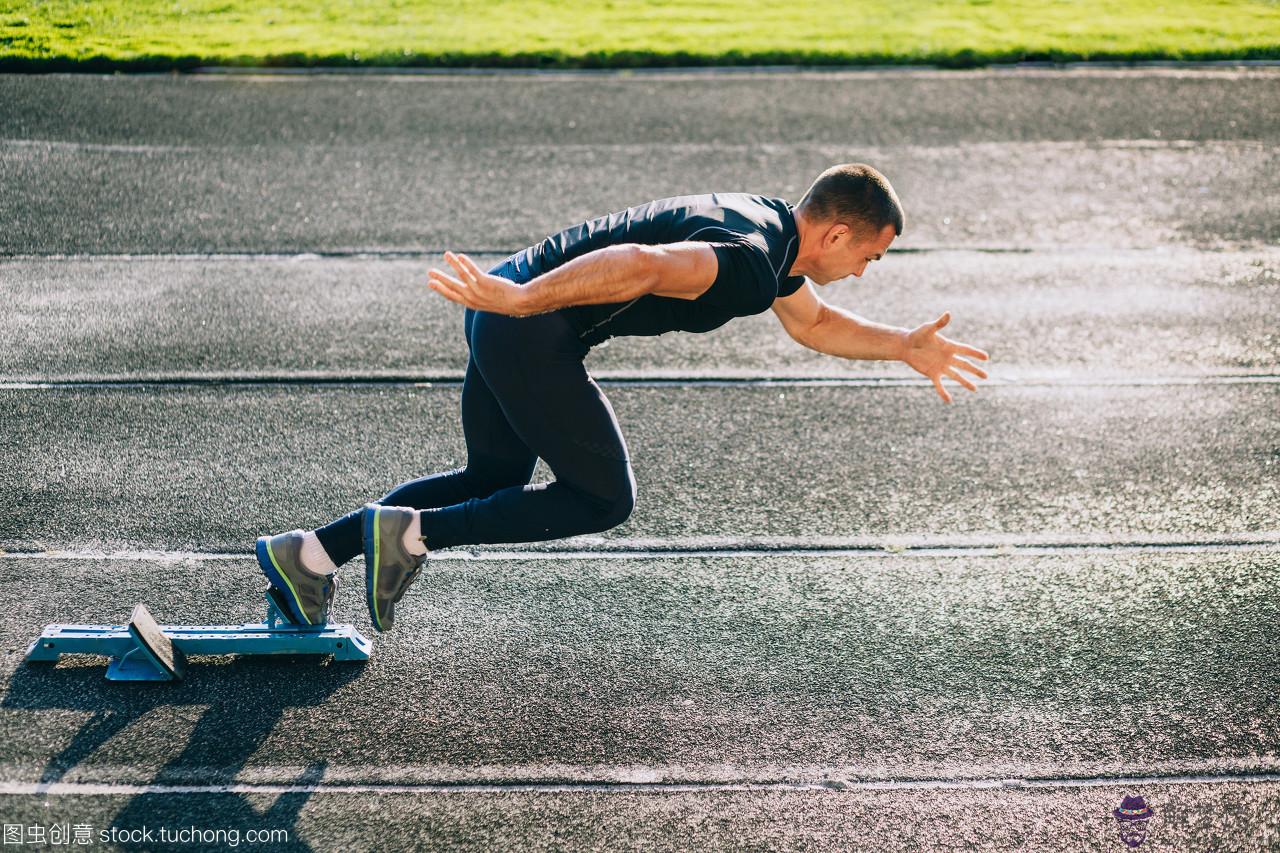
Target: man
(688, 263)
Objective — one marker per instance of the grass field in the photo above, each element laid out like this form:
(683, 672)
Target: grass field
(151, 34)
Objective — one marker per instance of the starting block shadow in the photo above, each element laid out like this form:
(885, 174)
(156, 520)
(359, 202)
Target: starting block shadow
(145, 651)
(237, 713)
(276, 666)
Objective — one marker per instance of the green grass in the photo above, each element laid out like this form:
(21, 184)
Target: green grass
(150, 34)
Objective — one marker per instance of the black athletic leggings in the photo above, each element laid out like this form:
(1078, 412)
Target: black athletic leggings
(526, 395)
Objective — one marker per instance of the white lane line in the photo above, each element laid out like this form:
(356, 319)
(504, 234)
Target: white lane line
(698, 548)
(635, 380)
(97, 789)
(126, 556)
(181, 257)
(976, 551)
(109, 147)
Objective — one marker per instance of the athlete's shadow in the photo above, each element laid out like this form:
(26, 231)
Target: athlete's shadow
(245, 700)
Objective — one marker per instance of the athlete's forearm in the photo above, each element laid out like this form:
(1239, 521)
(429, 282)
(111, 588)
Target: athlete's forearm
(845, 334)
(609, 274)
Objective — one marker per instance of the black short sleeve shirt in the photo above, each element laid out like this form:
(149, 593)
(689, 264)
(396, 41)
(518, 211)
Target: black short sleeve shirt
(754, 238)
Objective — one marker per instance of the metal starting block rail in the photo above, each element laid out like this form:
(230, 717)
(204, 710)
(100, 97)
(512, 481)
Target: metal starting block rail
(145, 651)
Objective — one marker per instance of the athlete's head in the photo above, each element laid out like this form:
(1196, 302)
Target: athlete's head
(847, 218)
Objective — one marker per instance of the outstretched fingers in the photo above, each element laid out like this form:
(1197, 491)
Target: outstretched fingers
(963, 364)
(441, 275)
(942, 392)
(449, 287)
(961, 379)
(447, 293)
(461, 263)
(466, 267)
(964, 349)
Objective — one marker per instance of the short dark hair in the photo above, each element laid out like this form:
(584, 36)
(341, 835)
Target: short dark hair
(855, 194)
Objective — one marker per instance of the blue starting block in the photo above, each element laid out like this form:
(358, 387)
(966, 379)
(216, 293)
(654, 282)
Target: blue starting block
(145, 651)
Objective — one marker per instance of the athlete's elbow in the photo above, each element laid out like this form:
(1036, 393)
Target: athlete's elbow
(643, 265)
(810, 336)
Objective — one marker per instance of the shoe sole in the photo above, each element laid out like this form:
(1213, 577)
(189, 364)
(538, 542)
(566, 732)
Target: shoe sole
(278, 579)
(372, 547)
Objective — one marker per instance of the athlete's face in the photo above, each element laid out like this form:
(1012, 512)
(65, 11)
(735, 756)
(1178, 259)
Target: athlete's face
(845, 252)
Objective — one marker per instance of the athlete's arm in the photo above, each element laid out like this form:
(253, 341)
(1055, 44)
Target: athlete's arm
(834, 331)
(610, 274)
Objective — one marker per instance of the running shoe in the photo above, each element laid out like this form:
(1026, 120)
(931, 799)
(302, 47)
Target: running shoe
(388, 568)
(308, 595)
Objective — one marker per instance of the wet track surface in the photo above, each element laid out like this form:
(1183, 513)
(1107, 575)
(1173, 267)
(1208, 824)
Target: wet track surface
(843, 614)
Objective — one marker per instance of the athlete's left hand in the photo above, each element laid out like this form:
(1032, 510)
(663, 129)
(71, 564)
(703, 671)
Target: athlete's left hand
(936, 356)
(476, 289)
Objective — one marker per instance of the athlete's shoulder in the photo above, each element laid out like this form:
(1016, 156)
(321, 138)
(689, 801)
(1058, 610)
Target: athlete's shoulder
(720, 216)
(768, 224)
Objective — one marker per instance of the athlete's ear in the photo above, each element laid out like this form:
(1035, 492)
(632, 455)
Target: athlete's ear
(836, 232)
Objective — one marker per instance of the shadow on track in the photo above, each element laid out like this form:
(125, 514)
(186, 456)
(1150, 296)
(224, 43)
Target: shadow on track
(245, 698)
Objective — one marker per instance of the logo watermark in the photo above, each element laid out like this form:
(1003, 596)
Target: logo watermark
(57, 835)
(63, 834)
(1133, 816)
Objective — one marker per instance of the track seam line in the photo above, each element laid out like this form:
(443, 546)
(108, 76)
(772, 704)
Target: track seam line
(1263, 541)
(831, 785)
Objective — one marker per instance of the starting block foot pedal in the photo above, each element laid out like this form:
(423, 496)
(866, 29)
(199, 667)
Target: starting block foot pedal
(145, 651)
(277, 610)
(154, 657)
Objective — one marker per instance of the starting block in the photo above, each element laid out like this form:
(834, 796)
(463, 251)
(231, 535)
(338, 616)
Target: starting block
(145, 651)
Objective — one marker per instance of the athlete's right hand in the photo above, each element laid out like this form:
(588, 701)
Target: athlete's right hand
(476, 289)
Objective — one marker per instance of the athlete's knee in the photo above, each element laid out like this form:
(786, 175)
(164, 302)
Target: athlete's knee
(617, 503)
(623, 505)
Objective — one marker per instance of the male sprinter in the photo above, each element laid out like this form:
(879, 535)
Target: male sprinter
(688, 263)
